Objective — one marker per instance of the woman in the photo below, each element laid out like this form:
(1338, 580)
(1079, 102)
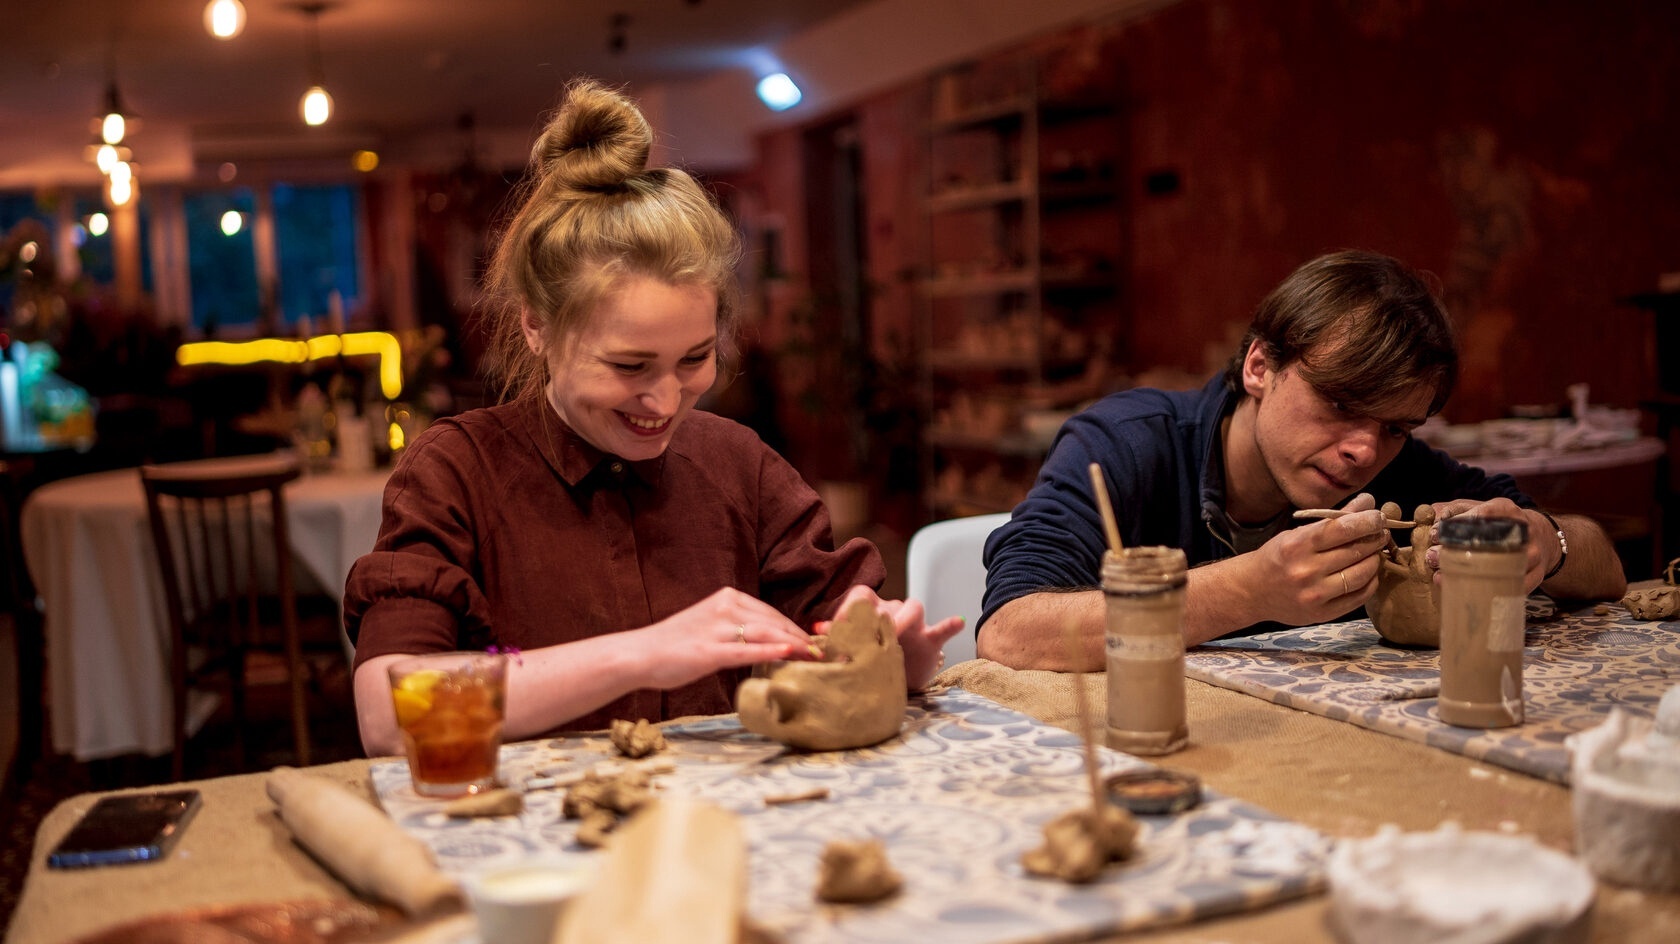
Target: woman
(640, 554)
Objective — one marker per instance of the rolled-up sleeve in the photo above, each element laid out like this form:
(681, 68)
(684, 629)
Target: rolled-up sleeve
(417, 590)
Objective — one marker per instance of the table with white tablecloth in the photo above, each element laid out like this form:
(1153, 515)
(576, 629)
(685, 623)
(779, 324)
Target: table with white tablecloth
(88, 545)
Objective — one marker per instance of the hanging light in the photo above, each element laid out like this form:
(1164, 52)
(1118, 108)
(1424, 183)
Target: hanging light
(114, 125)
(316, 105)
(104, 155)
(224, 19)
(122, 183)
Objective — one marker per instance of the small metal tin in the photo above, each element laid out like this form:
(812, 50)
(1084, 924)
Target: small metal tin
(1155, 790)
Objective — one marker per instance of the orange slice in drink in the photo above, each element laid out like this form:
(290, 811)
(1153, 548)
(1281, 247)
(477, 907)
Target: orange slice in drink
(412, 696)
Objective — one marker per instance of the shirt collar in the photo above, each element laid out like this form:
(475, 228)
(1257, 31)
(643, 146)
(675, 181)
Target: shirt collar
(573, 458)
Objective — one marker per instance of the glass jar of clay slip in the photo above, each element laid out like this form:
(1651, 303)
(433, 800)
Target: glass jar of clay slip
(1482, 621)
(1144, 591)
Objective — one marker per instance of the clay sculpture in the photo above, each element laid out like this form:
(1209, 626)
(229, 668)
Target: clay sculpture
(1080, 843)
(854, 697)
(1405, 609)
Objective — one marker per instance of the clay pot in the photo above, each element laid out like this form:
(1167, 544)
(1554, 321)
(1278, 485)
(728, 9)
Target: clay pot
(855, 697)
(1405, 608)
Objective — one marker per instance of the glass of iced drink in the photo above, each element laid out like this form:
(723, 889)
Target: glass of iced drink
(450, 709)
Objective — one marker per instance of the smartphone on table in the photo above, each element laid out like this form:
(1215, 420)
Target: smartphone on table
(132, 827)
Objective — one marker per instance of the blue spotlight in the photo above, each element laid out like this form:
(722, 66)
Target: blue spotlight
(778, 91)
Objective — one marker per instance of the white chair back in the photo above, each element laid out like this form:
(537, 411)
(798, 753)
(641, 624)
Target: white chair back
(943, 570)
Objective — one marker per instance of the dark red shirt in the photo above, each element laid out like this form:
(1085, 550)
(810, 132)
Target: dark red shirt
(501, 526)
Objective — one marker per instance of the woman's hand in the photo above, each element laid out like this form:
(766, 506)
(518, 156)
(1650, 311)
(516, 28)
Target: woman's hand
(922, 643)
(726, 630)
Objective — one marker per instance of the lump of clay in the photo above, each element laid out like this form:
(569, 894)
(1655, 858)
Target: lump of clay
(1404, 609)
(855, 697)
(636, 740)
(498, 802)
(1626, 779)
(601, 800)
(1079, 843)
(856, 872)
(1655, 603)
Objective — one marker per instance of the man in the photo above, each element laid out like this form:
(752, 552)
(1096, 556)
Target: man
(1343, 360)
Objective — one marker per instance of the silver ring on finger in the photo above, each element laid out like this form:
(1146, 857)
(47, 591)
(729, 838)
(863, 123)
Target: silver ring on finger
(741, 633)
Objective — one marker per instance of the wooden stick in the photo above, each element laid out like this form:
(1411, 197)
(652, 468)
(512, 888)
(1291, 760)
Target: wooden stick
(1306, 513)
(1109, 524)
(1070, 633)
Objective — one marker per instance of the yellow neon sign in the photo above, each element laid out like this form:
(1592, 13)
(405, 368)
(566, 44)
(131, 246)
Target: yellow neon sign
(298, 351)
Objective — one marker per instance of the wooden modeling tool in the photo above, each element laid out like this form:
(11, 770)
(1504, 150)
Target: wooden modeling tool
(1307, 513)
(1103, 504)
(1099, 796)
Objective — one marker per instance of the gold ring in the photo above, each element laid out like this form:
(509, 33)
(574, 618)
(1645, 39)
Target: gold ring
(741, 633)
(1344, 583)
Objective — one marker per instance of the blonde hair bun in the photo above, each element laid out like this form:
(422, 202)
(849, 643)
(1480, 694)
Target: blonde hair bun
(597, 141)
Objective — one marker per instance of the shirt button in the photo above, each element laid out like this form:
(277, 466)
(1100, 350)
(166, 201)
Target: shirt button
(617, 468)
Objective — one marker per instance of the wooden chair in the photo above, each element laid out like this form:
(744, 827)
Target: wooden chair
(220, 532)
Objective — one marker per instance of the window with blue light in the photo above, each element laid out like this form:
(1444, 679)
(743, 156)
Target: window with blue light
(222, 266)
(315, 231)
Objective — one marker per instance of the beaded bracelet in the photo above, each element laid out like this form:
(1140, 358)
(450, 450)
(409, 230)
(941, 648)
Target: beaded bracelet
(1563, 546)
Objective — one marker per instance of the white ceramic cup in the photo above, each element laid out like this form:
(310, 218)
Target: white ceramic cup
(521, 903)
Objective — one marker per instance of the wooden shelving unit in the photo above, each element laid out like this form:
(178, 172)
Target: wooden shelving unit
(1024, 219)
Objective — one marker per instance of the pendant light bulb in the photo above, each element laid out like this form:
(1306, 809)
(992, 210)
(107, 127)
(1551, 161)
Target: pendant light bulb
(113, 125)
(122, 185)
(316, 106)
(105, 158)
(224, 19)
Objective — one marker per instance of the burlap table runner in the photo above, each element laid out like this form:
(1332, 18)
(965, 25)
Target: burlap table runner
(1335, 777)
(235, 850)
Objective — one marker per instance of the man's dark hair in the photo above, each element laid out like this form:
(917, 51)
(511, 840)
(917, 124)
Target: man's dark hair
(1361, 327)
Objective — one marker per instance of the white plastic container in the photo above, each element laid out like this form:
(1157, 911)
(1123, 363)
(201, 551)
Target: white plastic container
(1456, 887)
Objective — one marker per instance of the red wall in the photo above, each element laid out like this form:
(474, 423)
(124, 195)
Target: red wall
(1526, 152)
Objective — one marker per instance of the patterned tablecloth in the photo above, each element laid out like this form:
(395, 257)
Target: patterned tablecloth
(957, 798)
(1576, 667)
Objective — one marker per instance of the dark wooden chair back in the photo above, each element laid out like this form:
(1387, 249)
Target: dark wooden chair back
(224, 552)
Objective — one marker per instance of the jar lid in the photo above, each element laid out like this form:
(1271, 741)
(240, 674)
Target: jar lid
(1143, 569)
(1493, 534)
(1155, 790)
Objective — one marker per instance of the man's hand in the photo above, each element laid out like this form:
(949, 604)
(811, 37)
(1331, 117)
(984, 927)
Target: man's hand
(1310, 574)
(1320, 571)
(1544, 550)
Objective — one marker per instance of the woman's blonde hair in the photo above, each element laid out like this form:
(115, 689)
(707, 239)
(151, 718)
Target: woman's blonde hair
(591, 213)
